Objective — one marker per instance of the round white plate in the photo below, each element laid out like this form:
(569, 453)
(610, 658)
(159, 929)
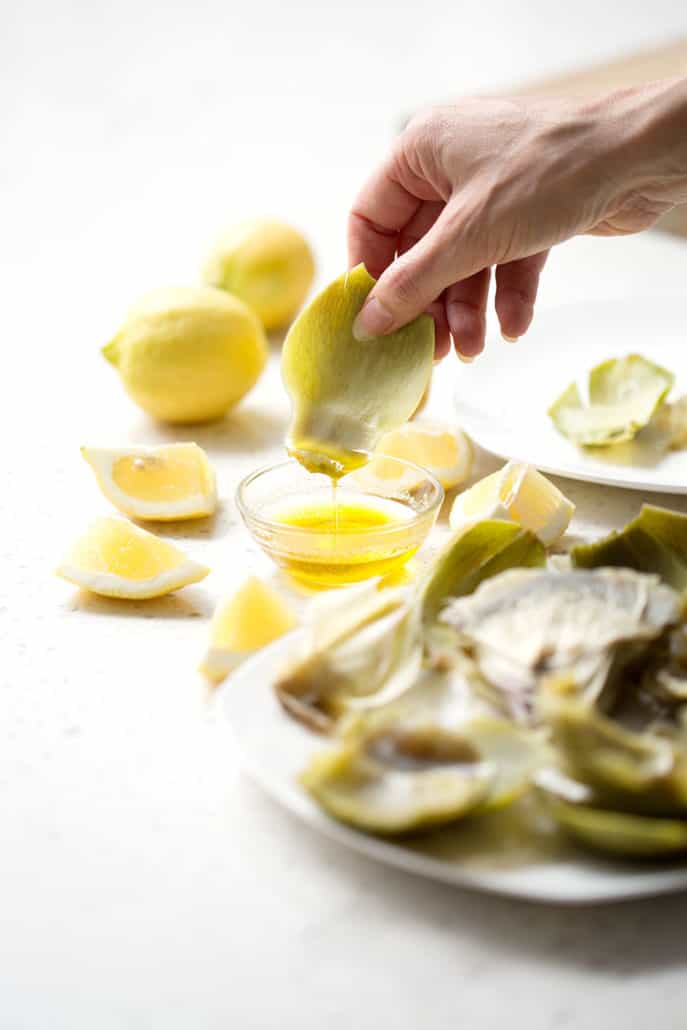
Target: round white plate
(491, 855)
(502, 399)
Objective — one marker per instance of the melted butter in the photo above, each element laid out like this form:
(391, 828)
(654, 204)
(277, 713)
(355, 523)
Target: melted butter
(340, 541)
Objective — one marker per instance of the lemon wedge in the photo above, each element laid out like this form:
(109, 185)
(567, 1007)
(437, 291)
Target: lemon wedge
(117, 559)
(175, 481)
(443, 449)
(250, 619)
(516, 493)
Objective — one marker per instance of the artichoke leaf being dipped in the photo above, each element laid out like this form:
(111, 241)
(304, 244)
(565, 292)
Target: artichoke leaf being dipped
(346, 394)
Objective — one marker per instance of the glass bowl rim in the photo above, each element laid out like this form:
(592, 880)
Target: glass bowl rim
(250, 517)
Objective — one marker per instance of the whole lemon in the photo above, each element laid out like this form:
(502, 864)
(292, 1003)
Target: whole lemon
(269, 265)
(188, 354)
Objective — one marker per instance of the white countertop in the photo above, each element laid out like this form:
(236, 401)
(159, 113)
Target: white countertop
(144, 883)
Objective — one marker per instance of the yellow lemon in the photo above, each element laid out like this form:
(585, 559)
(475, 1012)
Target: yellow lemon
(250, 619)
(188, 354)
(443, 449)
(268, 264)
(174, 481)
(117, 559)
(516, 493)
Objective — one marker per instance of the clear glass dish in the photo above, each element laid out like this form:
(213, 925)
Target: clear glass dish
(369, 524)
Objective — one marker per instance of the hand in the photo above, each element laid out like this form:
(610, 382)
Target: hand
(492, 182)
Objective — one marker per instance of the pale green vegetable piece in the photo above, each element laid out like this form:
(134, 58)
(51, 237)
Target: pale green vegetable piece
(624, 394)
(473, 555)
(345, 395)
(655, 541)
(629, 771)
(620, 833)
(415, 773)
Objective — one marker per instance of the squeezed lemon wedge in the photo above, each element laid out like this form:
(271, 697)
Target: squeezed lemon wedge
(117, 559)
(516, 493)
(442, 449)
(251, 618)
(174, 481)
(346, 394)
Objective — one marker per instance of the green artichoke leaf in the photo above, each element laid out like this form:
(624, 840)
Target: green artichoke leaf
(655, 541)
(473, 555)
(624, 395)
(346, 394)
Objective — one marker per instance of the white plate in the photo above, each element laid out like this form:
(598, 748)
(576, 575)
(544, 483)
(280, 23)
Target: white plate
(274, 749)
(502, 399)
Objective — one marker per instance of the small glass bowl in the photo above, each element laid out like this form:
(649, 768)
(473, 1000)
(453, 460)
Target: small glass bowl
(406, 494)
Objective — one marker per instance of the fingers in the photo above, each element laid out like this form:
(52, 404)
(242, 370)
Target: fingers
(381, 209)
(416, 279)
(516, 292)
(466, 313)
(442, 335)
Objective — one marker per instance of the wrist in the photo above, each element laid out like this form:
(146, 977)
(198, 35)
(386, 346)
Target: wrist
(644, 135)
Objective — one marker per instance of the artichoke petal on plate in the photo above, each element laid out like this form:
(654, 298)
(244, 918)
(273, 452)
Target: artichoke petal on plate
(655, 542)
(616, 833)
(624, 395)
(528, 625)
(346, 394)
(415, 773)
(473, 555)
(361, 646)
(628, 771)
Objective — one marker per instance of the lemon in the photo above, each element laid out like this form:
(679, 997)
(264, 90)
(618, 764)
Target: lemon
(442, 449)
(346, 394)
(250, 619)
(516, 493)
(175, 481)
(268, 264)
(117, 559)
(188, 354)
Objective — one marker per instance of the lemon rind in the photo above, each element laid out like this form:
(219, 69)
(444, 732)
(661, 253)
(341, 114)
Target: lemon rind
(108, 584)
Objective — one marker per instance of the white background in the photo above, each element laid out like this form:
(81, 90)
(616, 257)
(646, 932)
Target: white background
(143, 882)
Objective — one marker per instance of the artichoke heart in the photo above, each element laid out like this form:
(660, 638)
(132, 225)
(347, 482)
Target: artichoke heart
(346, 394)
(527, 625)
(624, 395)
(416, 774)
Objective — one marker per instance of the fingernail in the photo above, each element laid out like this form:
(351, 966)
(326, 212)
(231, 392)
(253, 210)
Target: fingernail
(510, 339)
(373, 320)
(467, 359)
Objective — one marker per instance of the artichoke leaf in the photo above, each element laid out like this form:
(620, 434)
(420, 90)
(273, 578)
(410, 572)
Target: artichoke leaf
(655, 542)
(624, 395)
(346, 394)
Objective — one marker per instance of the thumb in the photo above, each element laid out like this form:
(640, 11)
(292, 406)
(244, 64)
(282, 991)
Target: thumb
(414, 280)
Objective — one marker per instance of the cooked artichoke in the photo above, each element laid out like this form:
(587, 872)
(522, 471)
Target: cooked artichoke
(615, 833)
(624, 394)
(655, 541)
(529, 624)
(358, 643)
(415, 774)
(628, 771)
